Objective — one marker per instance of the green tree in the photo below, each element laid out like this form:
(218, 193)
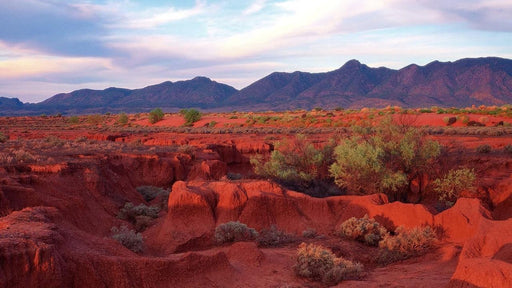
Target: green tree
(383, 160)
(122, 119)
(450, 187)
(191, 116)
(298, 164)
(156, 115)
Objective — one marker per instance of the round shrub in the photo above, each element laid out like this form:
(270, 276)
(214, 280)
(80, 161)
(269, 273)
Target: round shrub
(484, 148)
(407, 243)
(233, 232)
(365, 230)
(128, 238)
(320, 264)
(273, 237)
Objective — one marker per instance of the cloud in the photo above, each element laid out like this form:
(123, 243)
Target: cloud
(155, 17)
(255, 7)
(57, 28)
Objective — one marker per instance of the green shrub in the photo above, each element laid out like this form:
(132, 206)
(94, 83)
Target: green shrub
(128, 238)
(3, 138)
(383, 161)
(155, 115)
(453, 183)
(151, 192)
(365, 230)
(140, 215)
(74, 120)
(407, 243)
(299, 165)
(320, 264)
(484, 148)
(95, 119)
(191, 116)
(122, 119)
(309, 233)
(273, 237)
(234, 232)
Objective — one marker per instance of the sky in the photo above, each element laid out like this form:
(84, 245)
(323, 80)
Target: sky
(53, 46)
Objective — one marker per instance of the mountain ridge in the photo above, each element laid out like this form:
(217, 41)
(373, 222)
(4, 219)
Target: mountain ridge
(464, 82)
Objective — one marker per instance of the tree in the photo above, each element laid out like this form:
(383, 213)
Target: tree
(191, 116)
(299, 165)
(156, 115)
(383, 160)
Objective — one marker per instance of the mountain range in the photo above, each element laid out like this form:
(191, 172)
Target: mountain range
(465, 82)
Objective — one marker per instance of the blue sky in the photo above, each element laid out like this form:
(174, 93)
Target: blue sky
(52, 46)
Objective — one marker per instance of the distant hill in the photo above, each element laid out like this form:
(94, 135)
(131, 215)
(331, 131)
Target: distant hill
(466, 82)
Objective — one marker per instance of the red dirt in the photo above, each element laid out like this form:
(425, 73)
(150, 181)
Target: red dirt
(57, 211)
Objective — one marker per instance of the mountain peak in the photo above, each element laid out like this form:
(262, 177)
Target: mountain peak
(351, 64)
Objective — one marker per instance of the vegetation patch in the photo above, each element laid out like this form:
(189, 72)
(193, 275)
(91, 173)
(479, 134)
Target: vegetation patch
(365, 230)
(320, 264)
(273, 237)
(191, 116)
(140, 215)
(155, 115)
(128, 238)
(450, 187)
(406, 244)
(234, 231)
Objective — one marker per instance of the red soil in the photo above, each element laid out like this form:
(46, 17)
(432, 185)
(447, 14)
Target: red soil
(56, 215)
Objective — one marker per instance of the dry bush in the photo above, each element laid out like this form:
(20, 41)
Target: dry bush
(273, 237)
(484, 148)
(140, 215)
(3, 138)
(454, 183)
(128, 238)
(320, 264)
(365, 230)
(508, 148)
(309, 233)
(407, 243)
(233, 232)
(151, 192)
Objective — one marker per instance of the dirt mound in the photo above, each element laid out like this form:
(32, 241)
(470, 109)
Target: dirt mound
(462, 221)
(486, 259)
(196, 208)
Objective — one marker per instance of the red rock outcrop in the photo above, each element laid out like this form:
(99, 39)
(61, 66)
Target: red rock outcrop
(486, 259)
(196, 208)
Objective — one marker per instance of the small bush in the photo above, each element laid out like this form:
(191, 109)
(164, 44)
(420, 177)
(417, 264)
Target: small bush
(128, 238)
(95, 119)
(407, 243)
(3, 138)
(156, 115)
(273, 237)
(365, 230)
(309, 233)
(449, 120)
(151, 192)
(139, 215)
(484, 148)
(508, 148)
(453, 183)
(234, 232)
(320, 264)
(191, 116)
(122, 119)
(74, 120)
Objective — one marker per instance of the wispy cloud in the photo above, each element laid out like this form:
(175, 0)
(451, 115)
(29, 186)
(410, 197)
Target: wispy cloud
(89, 43)
(155, 17)
(255, 7)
